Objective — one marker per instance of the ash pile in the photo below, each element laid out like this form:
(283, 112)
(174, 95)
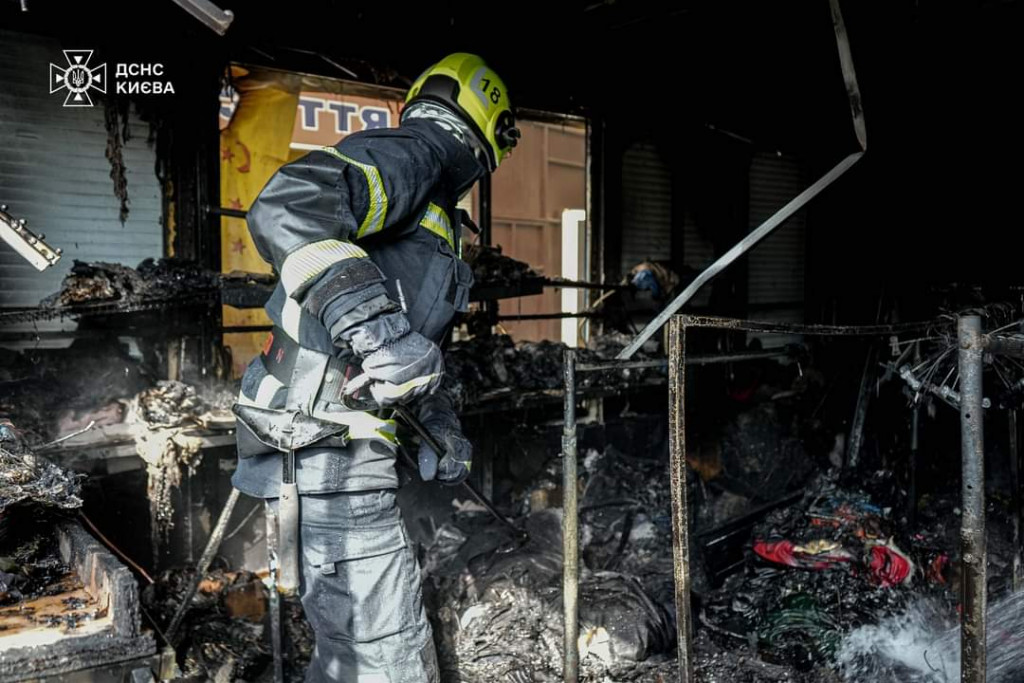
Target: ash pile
(814, 572)
(818, 569)
(497, 603)
(161, 280)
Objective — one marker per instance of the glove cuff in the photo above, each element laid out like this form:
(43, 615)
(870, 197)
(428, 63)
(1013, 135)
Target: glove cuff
(342, 279)
(348, 294)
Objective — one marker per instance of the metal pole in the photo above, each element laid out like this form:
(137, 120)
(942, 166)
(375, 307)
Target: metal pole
(570, 526)
(1018, 579)
(1007, 346)
(915, 438)
(972, 526)
(860, 413)
(915, 427)
(484, 219)
(849, 75)
(677, 482)
(711, 359)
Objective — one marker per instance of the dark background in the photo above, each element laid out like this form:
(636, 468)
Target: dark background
(935, 200)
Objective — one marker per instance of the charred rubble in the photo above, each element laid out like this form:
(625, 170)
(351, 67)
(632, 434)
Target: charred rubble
(491, 268)
(33, 494)
(493, 366)
(225, 634)
(791, 553)
(30, 563)
(27, 479)
(151, 280)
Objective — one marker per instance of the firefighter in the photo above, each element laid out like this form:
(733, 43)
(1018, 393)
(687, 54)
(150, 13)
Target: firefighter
(365, 238)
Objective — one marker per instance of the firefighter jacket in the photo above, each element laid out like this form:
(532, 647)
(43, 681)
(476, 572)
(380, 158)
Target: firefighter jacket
(387, 195)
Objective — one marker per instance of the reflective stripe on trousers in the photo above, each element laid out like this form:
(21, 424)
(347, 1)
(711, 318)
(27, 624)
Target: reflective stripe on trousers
(361, 591)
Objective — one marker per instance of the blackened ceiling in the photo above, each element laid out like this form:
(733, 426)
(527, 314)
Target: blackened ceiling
(767, 69)
(938, 189)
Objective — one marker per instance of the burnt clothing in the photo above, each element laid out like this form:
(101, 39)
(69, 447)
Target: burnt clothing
(357, 231)
(361, 592)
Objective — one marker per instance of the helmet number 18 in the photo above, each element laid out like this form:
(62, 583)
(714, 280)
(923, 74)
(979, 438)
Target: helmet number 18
(495, 94)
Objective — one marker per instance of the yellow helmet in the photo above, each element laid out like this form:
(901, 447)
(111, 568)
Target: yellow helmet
(463, 82)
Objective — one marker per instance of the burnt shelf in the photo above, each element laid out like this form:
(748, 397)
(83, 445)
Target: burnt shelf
(111, 634)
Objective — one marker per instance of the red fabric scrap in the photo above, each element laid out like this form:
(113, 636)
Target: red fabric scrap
(781, 552)
(889, 567)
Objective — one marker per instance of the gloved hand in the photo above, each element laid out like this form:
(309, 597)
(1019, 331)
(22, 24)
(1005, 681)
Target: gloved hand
(350, 300)
(400, 370)
(453, 467)
(438, 417)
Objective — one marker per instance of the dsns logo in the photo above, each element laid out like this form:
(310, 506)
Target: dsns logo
(78, 78)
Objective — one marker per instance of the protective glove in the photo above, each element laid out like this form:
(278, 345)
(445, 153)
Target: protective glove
(349, 298)
(399, 370)
(453, 467)
(439, 418)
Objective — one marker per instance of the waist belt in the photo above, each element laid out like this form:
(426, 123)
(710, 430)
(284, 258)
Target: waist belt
(280, 353)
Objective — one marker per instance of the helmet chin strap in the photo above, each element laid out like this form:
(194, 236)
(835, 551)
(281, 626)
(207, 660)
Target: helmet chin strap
(450, 122)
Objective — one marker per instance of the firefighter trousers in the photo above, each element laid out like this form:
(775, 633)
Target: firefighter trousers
(361, 591)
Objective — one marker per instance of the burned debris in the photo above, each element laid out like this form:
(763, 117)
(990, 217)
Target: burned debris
(64, 600)
(31, 563)
(29, 479)
(163, 421)
(493, 367)
(226, 634)
(589, 388)
(493, 269)
(152, 280)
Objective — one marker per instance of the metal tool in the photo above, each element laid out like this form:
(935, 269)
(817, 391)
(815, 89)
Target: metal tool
(287, 431)
(362, 401)
(288, 528)
(212, 545)
(418, 427)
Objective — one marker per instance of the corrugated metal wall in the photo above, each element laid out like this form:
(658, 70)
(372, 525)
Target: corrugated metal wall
(777, 265)
(646, 206)
(54, 173)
